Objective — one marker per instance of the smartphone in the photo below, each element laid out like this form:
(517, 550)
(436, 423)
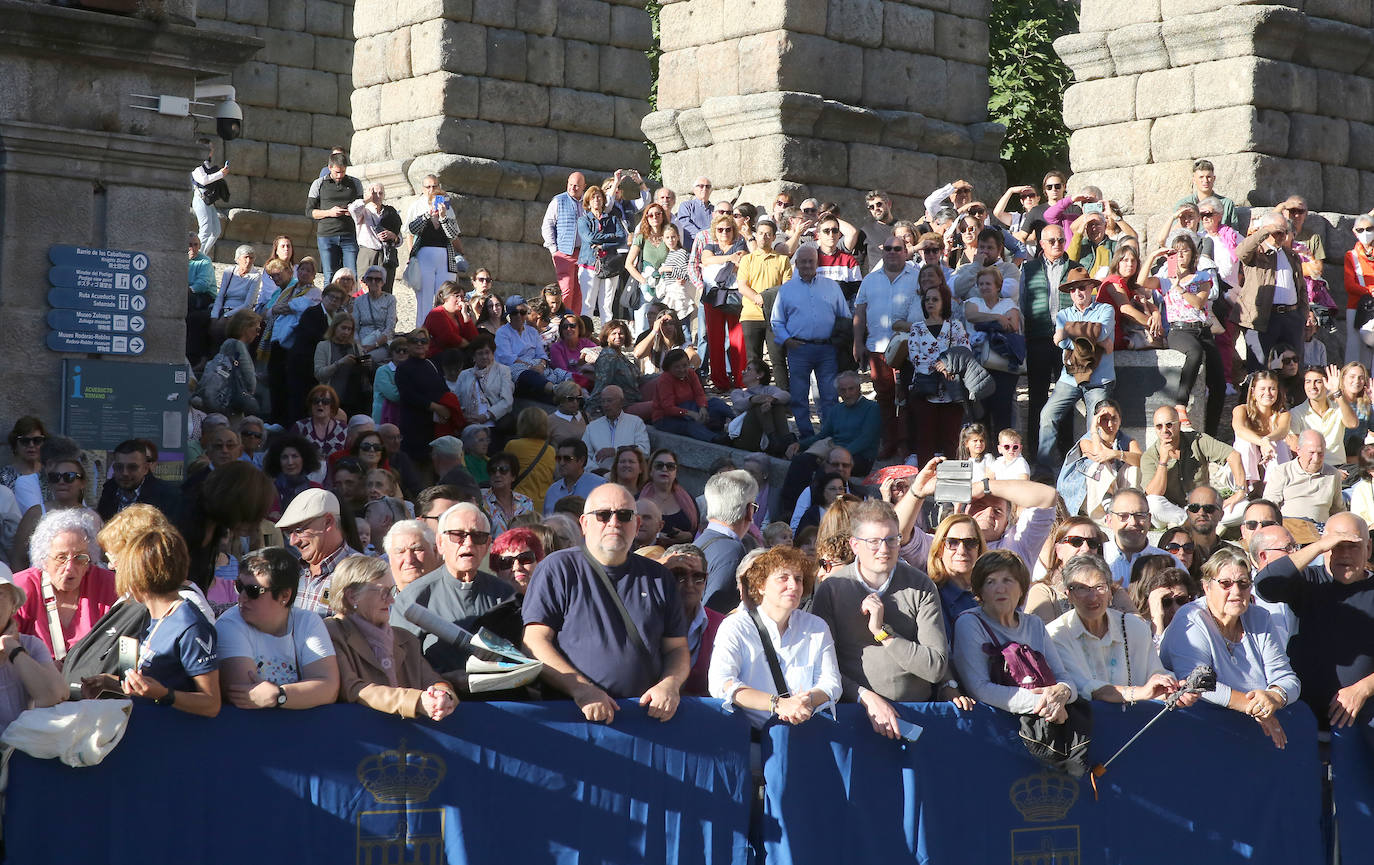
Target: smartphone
(909, 731)
(128, 654)
(954, 481)
(1092, 207)
(441, 199)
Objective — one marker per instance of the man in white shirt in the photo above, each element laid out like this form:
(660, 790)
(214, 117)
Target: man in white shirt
(1128, 517)
(882, 310)
(613, 430)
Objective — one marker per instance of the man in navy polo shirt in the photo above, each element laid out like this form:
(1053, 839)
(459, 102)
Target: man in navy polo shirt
(578, 629)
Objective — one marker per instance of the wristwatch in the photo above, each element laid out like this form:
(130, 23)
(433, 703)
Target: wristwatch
(281, 697)
(883, 634)
(167, 699)
(987, 486)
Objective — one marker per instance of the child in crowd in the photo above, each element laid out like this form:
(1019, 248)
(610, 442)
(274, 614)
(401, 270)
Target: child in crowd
(973, 446)
(777, 534)
(675, 289)
(1010, 465)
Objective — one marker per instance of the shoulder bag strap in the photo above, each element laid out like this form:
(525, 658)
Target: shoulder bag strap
(529, 468)
(779, 682)
(1126, 642)
(59, 642)
(996, 643)
(223, 286)
(630, 627)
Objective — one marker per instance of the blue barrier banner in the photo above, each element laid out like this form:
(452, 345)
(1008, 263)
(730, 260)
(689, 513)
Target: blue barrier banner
(1204, 786)
(1352, 788)
(493, 783)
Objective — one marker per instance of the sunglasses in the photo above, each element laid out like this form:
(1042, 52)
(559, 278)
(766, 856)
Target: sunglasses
(965, 543)
(1050, 187)
(322, 400)
(685, 575)
(1175, 547)
(931, 250)
(371, 447)
(31, 441)
(1287, 359)
(565, 458)
(877, 205)
(1286, 548)
(893, 248)
(1196, 507)
(623, 515)
(1010, 446)
(503, 562)
(499, 469)
(64, 477)
(1052, 241)
(1207, 214)
(482, 279)
(1254, 525)
(252, 590)
(1226, 584)
(457, 536)
(250, 435)
(660, 466)
(808, 210)
(1168, 602)
(1077, 542)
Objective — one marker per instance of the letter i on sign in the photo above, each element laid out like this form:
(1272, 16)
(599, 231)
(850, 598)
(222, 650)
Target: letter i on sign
(76, 382)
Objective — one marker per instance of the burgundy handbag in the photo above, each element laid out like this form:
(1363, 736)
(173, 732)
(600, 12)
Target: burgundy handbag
(1015, 664)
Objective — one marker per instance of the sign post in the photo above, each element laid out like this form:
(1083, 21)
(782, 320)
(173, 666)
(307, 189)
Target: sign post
(98, 298)
(105, 402)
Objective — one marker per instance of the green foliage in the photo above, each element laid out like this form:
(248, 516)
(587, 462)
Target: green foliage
(655, 161)
(1027, 82)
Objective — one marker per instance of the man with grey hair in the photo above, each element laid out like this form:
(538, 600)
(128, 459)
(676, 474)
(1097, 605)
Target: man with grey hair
(252, 433)
(687, 564)
(694, 213)
(804, 316)
(1305, 486)
(378, 227)
(730, 505)
(885, 618)
(1266, 546)
(1273, 295)
(456, 591)
(409, 548)
(1334, 603)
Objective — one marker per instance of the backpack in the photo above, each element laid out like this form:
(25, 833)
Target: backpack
(215, 389)
(98, 651)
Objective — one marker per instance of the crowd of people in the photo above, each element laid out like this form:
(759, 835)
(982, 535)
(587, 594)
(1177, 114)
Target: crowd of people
(354, 490)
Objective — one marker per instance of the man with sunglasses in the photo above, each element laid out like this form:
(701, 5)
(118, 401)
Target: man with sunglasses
(687, 564)
(694, 213)
(1040, 300)
(730, 504)
(1180, 462)
(457, 591)
(607, 624)
(883, 309)
(311, 527)
(878, 227)
(885, 618)
(135, 483)
(1273, 294)
(573, 478)
(1086, 331)
(1203, 517)
(1333, 602)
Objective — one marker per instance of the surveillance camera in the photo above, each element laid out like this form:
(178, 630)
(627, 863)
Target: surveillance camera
(229, 120)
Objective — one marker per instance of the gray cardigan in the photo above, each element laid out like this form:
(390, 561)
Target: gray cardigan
(909, 666)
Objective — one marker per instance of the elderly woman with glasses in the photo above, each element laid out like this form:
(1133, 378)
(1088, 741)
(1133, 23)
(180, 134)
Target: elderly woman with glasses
(1109, 653)
(1072, 537)
(500, 502)
(375, 311)
(1227, 631)
(323, 428)
(274, 654)
(687, 564)
(65, 571)
(380, 666)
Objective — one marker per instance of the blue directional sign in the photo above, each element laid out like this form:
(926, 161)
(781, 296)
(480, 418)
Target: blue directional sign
(107, 301)
(77, 319)
(95, 342)
(100, 280)
(113, 260)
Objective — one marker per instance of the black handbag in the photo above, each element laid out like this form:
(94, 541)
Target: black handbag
(1061, 746)
(609, 265)
(926, 383)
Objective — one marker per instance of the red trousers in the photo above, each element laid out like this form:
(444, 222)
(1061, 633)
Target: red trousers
(719, 329)
(565, 270)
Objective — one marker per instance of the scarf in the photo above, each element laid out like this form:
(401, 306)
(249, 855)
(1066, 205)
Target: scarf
(383, 643)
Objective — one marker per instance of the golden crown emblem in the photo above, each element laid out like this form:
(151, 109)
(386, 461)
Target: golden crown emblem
(401, 775)
(1044, 796)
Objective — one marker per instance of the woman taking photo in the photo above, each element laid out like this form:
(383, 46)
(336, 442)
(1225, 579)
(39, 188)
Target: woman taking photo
(720, 260)
(272, 653)
(1188, 297)
(775, 584)
(1227, 631)
(955, 545)
(341, 364)
(600, 234)
(1261, 426)
(450, 324)
(431, 223)
(1103, 461)
(999, 580)
(500, 501)
(380, 667)
(323, 428)
(647, 253)
(681, 521)
(289, 463)
(665, 335)
(26, 442)
(934, 415)
(64, 554)
(1072, 537)
(1109, 654)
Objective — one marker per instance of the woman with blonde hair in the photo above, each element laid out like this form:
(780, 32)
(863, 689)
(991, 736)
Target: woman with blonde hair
(1261, 425)
(601, 234)
(629, 468)
(720, 261)
(380, 666)
(956, 544)
(1072, 536)
(1355, 390)
(534, 453)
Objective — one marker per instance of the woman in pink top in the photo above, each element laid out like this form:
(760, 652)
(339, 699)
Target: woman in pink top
(64, 551)
(566, 351)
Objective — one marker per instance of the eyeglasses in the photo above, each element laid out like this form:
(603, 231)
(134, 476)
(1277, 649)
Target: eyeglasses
(725, 229)
(930, 250)
(519, 312)
(1140, 516)
(322, 400)
(385, 591)
(1052, 241)
(1226, 584)
(893, 248)
(1010, 446)
(702, 186)
(830, 231)
(62, 558)
(299, 530)
(1286, 548)
(1197, 507)
(876, 205)
(623, 515)
(64, 477)
(1253, 525)
(889, 541)
(31, 441)
(661, 466)
(977, 211)
(1207, 214)
(1167, 602)
(1183, 547)
(565, 458)
(250, 435)
(1297, 211)
(481, 279)
(1082, 591)
(965, 543)
(1077, 542)
(1287, 359)
(252, 590)
(503, 562)
(687, 575)
(499, 469)
(457, 536)
(782, 202)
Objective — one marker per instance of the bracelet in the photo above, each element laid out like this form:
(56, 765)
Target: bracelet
(15, 652)
(883, 634)
(1283, 695)
(773, 705)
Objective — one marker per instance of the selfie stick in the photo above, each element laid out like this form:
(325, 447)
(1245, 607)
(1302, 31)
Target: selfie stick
(1202, 678)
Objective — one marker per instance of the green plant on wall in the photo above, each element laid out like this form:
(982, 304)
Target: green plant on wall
(655, 162)
(1027, 82)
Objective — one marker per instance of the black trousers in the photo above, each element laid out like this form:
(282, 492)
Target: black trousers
(1198, 346)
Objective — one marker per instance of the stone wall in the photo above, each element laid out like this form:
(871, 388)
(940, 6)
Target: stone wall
(1280, 100)
(827, 98)
(295, 94)
(501, 99)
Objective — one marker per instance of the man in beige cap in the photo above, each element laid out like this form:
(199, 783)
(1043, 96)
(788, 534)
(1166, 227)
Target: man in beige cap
(445, 452)
(311, 525)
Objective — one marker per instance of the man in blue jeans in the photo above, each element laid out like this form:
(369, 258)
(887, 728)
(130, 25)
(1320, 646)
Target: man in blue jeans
(327, 204)
(1088, 376)
(803, 320)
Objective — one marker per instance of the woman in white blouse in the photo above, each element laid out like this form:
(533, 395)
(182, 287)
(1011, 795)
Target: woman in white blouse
(240, 286)
(1110, 655)
(775, 585)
